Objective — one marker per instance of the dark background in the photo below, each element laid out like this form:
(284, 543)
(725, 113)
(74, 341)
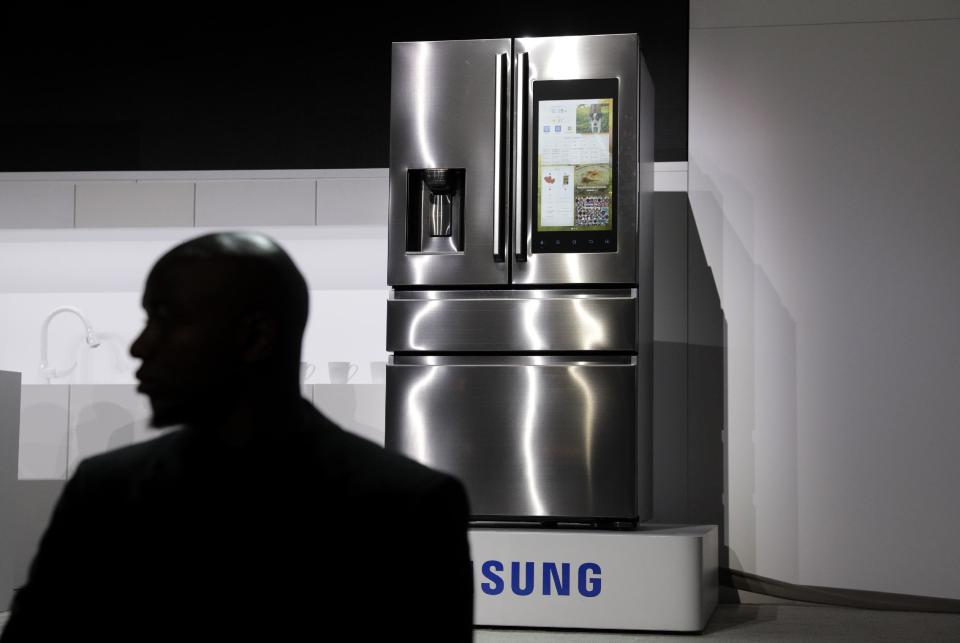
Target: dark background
(182, 88)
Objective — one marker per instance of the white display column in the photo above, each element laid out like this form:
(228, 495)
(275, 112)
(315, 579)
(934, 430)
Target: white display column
(662, 578)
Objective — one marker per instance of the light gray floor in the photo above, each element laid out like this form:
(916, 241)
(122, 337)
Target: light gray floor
(787, 623)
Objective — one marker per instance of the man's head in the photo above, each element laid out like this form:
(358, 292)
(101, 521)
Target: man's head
(224, 311)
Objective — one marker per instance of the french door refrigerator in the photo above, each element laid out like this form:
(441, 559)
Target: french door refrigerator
(520, 264)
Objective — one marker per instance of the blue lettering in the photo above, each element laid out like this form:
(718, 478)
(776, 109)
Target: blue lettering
(561, 578)
(489, 571)
(515, 579)
(589, 587)
(556, 578)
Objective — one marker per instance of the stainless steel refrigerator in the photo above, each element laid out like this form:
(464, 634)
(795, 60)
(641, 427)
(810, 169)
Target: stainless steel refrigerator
(520, 264)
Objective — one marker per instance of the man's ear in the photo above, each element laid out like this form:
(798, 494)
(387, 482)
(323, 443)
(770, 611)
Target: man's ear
(257, 337)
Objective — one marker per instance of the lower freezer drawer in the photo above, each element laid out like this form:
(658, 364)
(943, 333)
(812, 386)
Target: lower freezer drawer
(530, 437)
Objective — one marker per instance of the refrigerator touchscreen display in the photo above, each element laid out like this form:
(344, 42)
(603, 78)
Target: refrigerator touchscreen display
(576, 165)
(575, 169)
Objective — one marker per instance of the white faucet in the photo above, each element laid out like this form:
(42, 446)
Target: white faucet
(92, 341)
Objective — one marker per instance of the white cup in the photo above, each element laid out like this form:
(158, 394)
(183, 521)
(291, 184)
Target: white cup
(341, 372)
(306, 370)
(378, 372)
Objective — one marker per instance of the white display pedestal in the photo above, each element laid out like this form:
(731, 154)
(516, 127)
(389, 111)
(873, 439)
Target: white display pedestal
(662, 578)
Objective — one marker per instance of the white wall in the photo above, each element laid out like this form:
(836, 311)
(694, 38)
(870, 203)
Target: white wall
(89, 239)
(94, 249)
(823, 175)
(102, 273)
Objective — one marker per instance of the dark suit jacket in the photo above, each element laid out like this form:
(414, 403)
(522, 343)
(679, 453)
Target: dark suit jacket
(313, 534)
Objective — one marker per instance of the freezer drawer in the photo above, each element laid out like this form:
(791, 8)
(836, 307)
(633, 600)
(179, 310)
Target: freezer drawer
(530, 437)
(468, 321)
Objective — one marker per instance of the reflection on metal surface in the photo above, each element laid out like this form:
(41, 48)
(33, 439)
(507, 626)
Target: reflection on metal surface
(511, 294)
(422, 95)
(416, 416)
(529, 436)
(592, 334)
(415, 325)
(534, 339)
(529, 441)
(419, 266)
(588, 419)
(539, 320)
(598, 361)
(574, 273)
(565, 59)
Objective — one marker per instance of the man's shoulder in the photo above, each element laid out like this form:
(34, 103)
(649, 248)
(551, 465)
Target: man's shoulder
(359, 455)
(368, 464)
(131, 459)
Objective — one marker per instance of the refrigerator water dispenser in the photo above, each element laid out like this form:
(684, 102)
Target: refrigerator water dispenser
(435, 210)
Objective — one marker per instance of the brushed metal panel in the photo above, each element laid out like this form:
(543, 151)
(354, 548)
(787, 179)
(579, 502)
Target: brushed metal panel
(506, 321)
(530, 437)
(443, 114)
(586, 57)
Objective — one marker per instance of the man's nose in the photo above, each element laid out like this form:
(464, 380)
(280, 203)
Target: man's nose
(140, 345)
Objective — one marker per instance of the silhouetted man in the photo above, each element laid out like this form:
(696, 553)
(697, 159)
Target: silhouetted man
(259, 519)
